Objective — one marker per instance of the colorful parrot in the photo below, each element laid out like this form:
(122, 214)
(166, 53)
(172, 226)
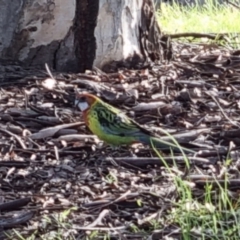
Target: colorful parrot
(114, 127)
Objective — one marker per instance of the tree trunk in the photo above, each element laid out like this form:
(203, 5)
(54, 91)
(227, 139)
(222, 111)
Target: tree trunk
(78, 34)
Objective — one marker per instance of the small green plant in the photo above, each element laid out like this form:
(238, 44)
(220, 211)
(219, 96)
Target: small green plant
(135, 228)
(93, 235)
(111, 178)
(155, 224)
(139, 202)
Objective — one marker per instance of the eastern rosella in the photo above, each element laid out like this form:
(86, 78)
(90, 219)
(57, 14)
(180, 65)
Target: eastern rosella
(114, 127)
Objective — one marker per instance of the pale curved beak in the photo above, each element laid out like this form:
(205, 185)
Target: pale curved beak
(81, 105)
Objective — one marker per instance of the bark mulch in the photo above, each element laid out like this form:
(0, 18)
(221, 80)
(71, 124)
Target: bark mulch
(57, 179)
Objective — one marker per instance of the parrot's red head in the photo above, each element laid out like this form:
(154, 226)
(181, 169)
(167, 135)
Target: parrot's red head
(84, 101)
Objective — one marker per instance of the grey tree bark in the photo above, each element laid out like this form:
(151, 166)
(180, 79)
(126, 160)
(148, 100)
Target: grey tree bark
(75, 35)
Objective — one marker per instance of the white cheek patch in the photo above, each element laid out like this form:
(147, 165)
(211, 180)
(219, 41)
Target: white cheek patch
(76, 103)
(82, 105)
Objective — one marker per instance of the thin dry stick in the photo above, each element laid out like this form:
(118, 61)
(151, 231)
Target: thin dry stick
(222, 111)
(100, 228)
(14, 136)
(99, 219)
(122, 197)
(48, 71)
(56, 153)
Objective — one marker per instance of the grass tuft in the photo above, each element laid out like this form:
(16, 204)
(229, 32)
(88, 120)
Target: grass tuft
(210, 17)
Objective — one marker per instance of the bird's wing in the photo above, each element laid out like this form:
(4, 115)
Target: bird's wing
(115, 122)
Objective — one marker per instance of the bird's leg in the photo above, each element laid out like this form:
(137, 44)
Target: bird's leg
(114, 147)
(102, 145)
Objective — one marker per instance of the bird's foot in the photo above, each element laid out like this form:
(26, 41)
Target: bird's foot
(114, 147)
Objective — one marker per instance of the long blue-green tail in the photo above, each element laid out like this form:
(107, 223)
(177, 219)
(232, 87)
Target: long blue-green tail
(163, 145)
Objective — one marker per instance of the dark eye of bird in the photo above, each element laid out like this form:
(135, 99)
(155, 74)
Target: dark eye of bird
(82, 99)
